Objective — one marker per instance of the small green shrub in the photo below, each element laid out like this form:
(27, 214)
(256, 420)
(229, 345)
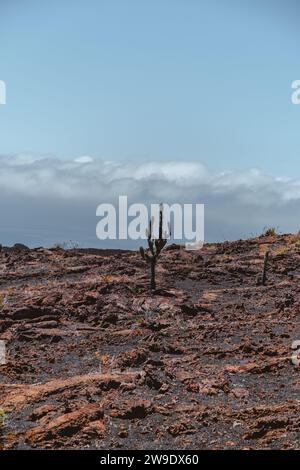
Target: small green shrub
(2, 301)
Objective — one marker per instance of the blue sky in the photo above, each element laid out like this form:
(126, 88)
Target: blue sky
(204, 81)
(201, 80)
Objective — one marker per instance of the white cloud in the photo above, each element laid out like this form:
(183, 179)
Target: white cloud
(86, 178)
(84, 159)
(65, 193)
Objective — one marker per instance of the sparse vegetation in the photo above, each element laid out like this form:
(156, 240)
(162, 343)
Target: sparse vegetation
(67, 245)
(282, 250)
(292, 245)
(2, 301)
(295, 241)
(270, 232)
(104, 361)
(3, 418)
(107, 278)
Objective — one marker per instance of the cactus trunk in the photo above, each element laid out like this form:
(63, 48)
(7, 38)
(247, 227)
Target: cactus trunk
(265, 268)
(152, 281)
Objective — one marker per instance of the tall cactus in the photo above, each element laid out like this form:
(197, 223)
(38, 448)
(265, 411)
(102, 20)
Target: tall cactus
(155, 246)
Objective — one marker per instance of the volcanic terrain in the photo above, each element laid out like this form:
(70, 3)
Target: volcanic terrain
(97, 361)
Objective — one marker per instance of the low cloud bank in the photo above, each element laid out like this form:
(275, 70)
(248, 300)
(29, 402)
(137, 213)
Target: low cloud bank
(44, 200)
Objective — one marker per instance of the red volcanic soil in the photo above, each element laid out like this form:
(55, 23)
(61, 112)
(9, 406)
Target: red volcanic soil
(95, 361)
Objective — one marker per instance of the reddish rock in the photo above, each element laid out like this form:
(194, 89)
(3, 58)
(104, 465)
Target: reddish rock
(66, 425)
(133, 410)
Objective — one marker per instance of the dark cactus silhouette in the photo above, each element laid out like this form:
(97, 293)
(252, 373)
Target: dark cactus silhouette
(155, 246)
(265, 268)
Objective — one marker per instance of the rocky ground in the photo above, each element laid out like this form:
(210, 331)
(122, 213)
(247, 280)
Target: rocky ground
(94, 361)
